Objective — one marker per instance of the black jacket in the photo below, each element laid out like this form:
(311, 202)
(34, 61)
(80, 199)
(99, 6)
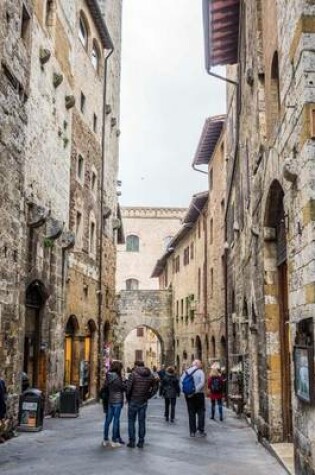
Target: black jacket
(141, 385)
(170, 386)
(116, 388)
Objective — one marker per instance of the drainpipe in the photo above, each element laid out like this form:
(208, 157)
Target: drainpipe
(99, 291)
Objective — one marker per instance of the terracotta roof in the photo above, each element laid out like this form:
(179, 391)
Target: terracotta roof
(196, 206)
(100, 24)
(221, 30)
(209, 138)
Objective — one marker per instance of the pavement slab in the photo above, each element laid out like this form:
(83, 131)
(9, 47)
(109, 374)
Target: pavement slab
(73, 447)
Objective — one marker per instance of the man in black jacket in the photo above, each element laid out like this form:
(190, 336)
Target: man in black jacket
(141, 386)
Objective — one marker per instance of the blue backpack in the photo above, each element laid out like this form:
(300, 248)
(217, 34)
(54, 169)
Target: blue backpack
(188, 383)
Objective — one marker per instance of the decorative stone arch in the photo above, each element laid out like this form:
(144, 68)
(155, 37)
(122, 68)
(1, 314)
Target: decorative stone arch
(148, 308)
(277, 315)
(161, 359)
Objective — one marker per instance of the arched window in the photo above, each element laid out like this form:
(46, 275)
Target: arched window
(83, 31)
(92, 235)
(132, 243)
(132, 284)
(274, 91)
(95, 56)
(50, 13)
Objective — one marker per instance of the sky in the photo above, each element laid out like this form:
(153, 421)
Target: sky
(166, 95)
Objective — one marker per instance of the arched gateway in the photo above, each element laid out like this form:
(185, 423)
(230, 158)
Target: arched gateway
(147, 308)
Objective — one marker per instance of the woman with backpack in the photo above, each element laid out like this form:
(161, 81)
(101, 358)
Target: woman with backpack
(113, 400)
(170, 390)
(215, 387)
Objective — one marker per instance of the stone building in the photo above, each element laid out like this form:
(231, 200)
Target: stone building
(269, 50)
(55, 297)
(15, 50)
(148, 232)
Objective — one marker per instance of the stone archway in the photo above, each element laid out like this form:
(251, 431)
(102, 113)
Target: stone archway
(147, 308)
(34, 361)
(277, 316)
(143, 344)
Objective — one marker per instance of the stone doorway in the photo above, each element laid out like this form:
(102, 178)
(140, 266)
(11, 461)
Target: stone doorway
(277, 317)
(145, 344)
(34, 361)
(71, 373)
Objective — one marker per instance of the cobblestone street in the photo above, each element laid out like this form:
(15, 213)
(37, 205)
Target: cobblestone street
(73, 446)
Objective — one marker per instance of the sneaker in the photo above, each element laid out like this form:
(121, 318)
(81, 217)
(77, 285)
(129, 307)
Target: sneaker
(192, 434)
(201, 433)
(122, 442)
(105, 443)
(115, 445)
(131, 445)
(140, 445)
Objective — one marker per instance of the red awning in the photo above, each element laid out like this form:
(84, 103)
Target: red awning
(221, 25)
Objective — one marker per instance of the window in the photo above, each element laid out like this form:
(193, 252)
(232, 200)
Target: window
(95, 57)
(211, 283)
(211, 180)
(274, 91)
(80, 168)
(83, 32)
(93, 182)
(50, 13)
(78, 228)
(26, 26)
(140, 332)
(177, 306)
(132, 243)
(138, 355)
(199, 283)
(95, 123)
(82, 102)
(192, 251)
(186, 256)
(132, 284)
(211, 231)
(92, 238)
(177, 264)
(182, 307)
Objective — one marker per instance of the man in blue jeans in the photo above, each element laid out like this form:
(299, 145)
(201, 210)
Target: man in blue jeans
(141, 386)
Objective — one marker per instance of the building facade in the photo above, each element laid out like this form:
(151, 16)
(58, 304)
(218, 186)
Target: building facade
(268, 48)
(57, 291)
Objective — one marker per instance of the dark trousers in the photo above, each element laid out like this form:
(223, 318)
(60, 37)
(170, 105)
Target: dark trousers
(170, 401)
(136, 409)
(196, 409)
(219, 403)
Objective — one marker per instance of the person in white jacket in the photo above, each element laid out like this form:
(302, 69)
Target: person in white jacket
(196, 400)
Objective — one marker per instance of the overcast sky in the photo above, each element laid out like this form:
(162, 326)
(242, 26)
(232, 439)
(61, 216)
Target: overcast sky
(166, 96)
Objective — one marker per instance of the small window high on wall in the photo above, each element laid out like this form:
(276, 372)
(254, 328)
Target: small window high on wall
(132, 284)
(83, 31)
(132, 243)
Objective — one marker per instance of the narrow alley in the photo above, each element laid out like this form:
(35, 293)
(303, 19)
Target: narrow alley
(73, 446)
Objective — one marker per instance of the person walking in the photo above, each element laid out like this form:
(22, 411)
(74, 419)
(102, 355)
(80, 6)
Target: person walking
(170, 391)
(141, 386)
(216, 387)
(193, 384)
(115, 387)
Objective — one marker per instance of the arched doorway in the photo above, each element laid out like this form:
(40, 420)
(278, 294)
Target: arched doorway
(198, 348)
(34, 363)
(223, 352)
(277, 315)
(71, 373)
(90, 359)
(145, 344)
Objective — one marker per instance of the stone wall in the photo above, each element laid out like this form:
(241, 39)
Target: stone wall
(14, 89)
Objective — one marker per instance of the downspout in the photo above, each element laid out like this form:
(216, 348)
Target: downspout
(99, 291)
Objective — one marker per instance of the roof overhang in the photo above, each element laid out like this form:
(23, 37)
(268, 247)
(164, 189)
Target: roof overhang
(100, 24)
(196, 206)
(221, 19)
(210, 135)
